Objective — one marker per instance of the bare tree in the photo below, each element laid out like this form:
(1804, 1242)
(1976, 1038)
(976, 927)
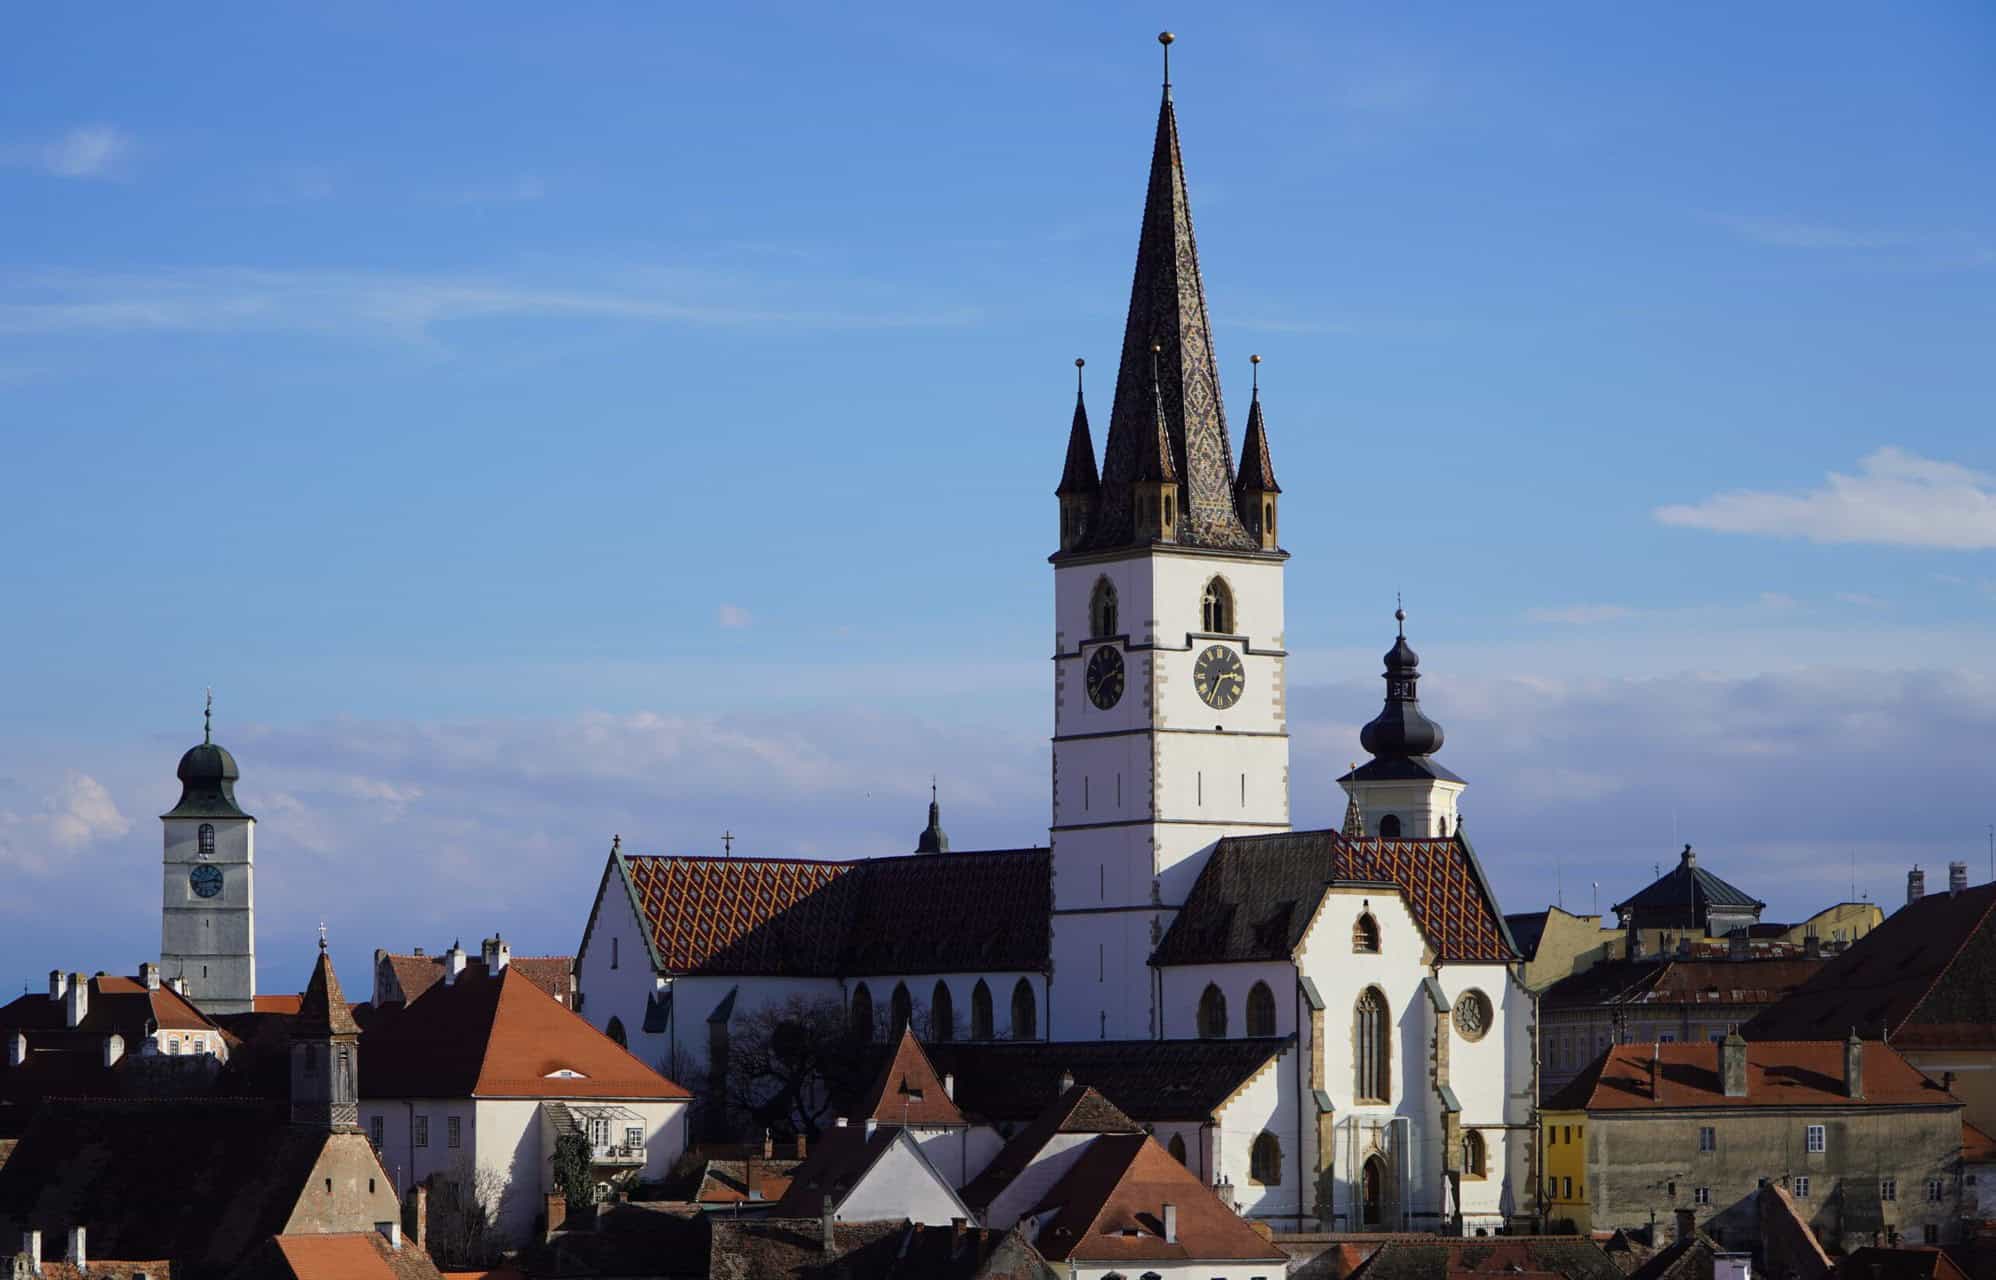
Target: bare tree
(788, 1064)
(465, 1205)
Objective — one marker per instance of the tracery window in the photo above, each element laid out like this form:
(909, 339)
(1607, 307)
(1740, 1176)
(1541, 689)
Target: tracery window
(1260, 1010)
(1265, 1160)
(1212, 1013)
(1217, 607)
(1102, 609)
(1373, 1048)
(980, 1012)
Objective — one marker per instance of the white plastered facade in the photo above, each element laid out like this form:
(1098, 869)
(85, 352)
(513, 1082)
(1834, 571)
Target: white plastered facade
(211, 941)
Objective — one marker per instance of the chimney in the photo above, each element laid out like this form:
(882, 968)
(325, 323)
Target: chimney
(1687, 1223)
(1737, 947)
(17, 1049)
(1957, 877)
(1655, 1072)
(179, 986)
(800, 1146)
(391, 1232)
(557, 1212)
(768, 1146)
(453, 963)
(1634, 950)
(495, 953)
(58, 984)
(416, 1217)
(1916, 886)
(31, 1245)
(871, 1125)
(1170, 1223)
(841, 1122)
(826, 1224)
(114, 1049)
(149, 976)
(1853, 1066)
(76, 1001)
(752, 1185)
(1066, 1079)
(77, 1256)
(949, 1085)
(1732, 1064)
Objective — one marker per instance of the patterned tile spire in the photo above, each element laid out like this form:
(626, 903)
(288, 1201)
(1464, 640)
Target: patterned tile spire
(1257, 466)
(1168, 308)
(1078, 477)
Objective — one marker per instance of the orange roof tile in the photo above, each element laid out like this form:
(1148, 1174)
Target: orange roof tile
(346, 1256)
(1977, 1147)
(416, 974)
(1788, 1073)
(276, 1004)
(909, 1091)
(1109, 1207)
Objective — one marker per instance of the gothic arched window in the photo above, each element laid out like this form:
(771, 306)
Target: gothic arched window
(1212, 1014)
(1217, 607)
(616, 1032)
(1268, 518)
(942, 1013)
(1472, 1154)
(1365, 934)
(1372, 1048)
(205, 840)
(1025, 1013)
(900, 1011)
(1372, 1192)
(861, 1014)
(1265, 1160)
(1177, 1147)
(1260, 1010)
(1102, 610)
(1389, 826)
(980, 1011)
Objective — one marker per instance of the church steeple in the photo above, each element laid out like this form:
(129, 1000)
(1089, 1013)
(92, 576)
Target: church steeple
(1403, 790)
(933, 839)
(325, 1052)
(1255, 491)
(1401, 729)
(1168, 311)
(1079, 487)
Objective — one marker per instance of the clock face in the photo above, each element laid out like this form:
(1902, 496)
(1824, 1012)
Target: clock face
(1105, 677)
(206, 880)
(1219, 677)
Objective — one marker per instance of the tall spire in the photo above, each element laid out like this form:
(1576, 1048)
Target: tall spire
(1168, 310)
(1257, 466)
(1078, 477)
(933, 840)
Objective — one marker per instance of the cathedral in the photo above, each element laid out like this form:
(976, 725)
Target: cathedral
(1328, 1026)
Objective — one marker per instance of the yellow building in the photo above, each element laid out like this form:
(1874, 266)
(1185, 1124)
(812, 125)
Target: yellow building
(1563, 1172)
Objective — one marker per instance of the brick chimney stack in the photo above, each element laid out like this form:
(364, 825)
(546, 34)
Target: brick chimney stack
(1655, 1072)
(1732, 1064)
(1687, 1223)
(1916, 886)
(416, 1217)
(827, 1226)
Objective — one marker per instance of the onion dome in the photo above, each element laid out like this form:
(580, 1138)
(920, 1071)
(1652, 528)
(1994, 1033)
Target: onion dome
(1401, 730)
(208, 776)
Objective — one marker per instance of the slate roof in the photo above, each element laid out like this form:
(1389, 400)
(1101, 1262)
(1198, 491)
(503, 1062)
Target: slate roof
(1107, 1208)
(638, 1238)
(1078, 476)
(1258, 894)
(1684, 895)
(414, 974)
(1783, 1073)
(793, 1249)
(1926, 977)
(1079, 1110)
(502, 1037)
(1717, 982)
(1015, 1080)
(922, 913)
(1257, 467)
(909, 1091)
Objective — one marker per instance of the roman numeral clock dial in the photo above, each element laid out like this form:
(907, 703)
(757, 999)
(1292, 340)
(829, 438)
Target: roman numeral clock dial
(1219, 677)
(1105, 676)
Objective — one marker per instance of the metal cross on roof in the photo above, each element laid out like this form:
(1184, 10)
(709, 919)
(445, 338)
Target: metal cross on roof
(727, 844)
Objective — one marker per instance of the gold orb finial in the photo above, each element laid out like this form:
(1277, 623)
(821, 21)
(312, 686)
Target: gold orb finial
(1156, 348)
(1078, 362)
(1254, 359)
(1165, 37)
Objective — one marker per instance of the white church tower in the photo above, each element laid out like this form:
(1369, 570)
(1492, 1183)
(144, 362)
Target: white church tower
(1170, 724)
(1403, 790)
(208, 902)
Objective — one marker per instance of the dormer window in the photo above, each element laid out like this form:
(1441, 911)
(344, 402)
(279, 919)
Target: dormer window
(204, 840)
(1217, 608)
(565, 1073)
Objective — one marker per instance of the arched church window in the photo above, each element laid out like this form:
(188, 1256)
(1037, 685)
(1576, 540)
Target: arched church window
(942, 1014)
(1102, 610)
(1441, 826)
(1260, 1010)
(1177, 1147)
(1372, 1192)
(205, 840)
(616, 1032)
(1212, 1013)
(862, 1013)
(1268, 518)
(1365, 934)
(1472, 1154)
(1265, 1160)
(1217, 607)
(1389, 826)
(980, 1011)
(1025, 1013)
(1372, 1048)
(900, 1011)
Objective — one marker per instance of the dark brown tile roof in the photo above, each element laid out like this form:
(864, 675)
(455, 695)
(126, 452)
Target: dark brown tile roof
(1079, 1110)
(642, 1238)
(1437, 1258)
(1755, 981)
(413, 975)
(120, 1005)
(1108, 1208)
(793, 1249)
(724, 1181)
(1257, 894)
(1905, 1262)
(1783, 1073)
(1015, 1080)
(488, 1037)
(840, 1158)
(909, 1091)
(926, 913)
(1977, 1147)
(322, 1011)
(1926, 977)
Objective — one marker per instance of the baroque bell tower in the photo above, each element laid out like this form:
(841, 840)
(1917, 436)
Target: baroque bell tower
(1170, 721)
(208, 896)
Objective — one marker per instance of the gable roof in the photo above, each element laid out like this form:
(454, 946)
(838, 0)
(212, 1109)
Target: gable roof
(114, 1005)
(1016, 1080)
(1108, 1207)
(1754, 981)
(483, 1036)
(1925, 977)
(1782, 1073)
(794, 1249)
(340, 1255)
(415, 974)
(1079, 1110)
(842, 1158)
(1441, 1258)
(322, 1011)
(1902, 1262)
(908, 1090)
(1258, 894)
(922, 913)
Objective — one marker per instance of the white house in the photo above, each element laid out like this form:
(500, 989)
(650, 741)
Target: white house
(475, 1080)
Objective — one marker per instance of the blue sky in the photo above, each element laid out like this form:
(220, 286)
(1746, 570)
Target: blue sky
(544, 423)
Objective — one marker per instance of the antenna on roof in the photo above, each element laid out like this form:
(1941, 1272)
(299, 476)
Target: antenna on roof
(1559, 881)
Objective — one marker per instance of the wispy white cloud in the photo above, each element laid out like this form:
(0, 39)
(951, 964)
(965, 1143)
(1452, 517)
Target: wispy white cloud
(1896, 499)
(1791, 233)
(1581, 614)
(732, 615)
(76, 811)
(410, 307)
(87, 151)
(1860, 600)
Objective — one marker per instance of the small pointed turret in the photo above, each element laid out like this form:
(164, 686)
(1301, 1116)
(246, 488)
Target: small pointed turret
(325, 1051)
(1154, 489)
(1255, 490)
(1080, 487)
(933, 839)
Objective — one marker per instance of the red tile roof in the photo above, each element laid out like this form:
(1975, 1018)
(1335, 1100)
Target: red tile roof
(927, 913)
(909, 1091)
(120, 1005)
(416, 974)
(497, 1037)
(1901, 1262)
(350, 1255)
(276, 1004)
(1786, 1073)
(1109, 1208)
(1977, 1147)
